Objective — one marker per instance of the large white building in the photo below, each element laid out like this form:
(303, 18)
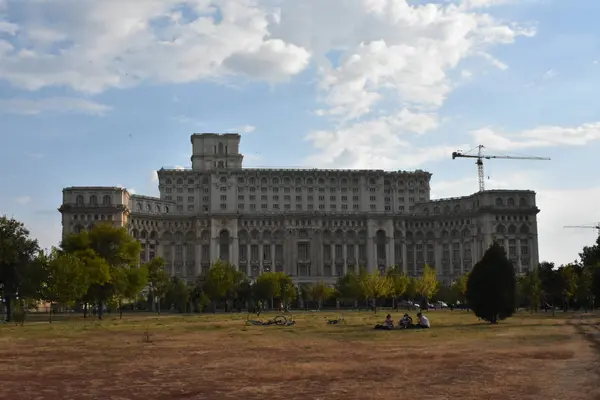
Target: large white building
(309, 223)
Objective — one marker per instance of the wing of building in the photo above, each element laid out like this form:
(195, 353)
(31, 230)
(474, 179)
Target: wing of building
(310, 223)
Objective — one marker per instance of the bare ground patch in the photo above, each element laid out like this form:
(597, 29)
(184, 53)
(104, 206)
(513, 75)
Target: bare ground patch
(217, 358)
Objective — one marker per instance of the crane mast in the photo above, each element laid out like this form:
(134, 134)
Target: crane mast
(480, 156)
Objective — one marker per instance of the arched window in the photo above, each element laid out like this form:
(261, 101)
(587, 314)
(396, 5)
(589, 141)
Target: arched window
(93, 200)
(79, 200)
(106, 200)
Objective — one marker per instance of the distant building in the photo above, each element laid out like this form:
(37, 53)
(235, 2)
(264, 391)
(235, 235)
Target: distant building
(310, 223)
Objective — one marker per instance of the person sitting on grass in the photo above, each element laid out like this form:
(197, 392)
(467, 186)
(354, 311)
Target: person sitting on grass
(423, 321)
(405, 322)
(387, 324)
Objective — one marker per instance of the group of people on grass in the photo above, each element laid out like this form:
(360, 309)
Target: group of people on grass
(406, 322)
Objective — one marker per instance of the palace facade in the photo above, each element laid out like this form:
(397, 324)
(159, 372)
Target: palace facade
(312, 224)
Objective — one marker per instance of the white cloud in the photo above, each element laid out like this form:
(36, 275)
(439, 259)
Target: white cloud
(359, 145)
(153, 176)
(33, 155)
(543, 136)
(22, 200)
(182, 119)
(243, 129)
(9, 28)
(120, 44)
(473, 4)
(551, 73)
(52, 105)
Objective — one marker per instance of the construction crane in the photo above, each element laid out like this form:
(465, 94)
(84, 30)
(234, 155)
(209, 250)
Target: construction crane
(480, 156)
(597, 227)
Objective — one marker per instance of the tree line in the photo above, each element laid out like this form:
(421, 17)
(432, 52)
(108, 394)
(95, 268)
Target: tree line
(101, 268)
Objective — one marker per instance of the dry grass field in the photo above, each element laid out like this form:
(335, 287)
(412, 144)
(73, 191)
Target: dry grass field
(218, 357)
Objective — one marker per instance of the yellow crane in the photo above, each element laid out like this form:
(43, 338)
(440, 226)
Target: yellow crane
(480, 157)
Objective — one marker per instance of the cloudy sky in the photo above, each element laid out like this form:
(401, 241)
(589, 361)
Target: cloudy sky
(105, 92)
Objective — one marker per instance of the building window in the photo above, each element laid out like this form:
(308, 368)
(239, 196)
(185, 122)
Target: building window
(223, 198)
(223, 206)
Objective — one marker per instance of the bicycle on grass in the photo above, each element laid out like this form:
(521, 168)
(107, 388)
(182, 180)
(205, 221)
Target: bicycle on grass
(336, 321)
(279, 320)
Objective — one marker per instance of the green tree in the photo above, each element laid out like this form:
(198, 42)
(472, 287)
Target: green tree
(158, 281)
(427, 285)
(584, 290)
(128, 282)
(115, 247)
(320, 292)
(400, 282)
(569, 284)
(65, 278)
(178, 295)
(491, 288)
(18, 252)
(348, 287)
(221, 281)
(531, 285)
(375, 286)
(267, 287)
(459, 287)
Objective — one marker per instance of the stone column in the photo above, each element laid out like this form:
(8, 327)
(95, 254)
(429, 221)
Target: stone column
(357, 265)
(391, 251)
(198, 258)
(345, 255)
(184, 255)
(248, 256)
(214, 251)
(172, 260)
(404, 260)
(260, 258)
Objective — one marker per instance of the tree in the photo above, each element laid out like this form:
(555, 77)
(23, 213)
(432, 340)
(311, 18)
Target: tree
(287, 289)
(348, 287)
(267, 287)
(427, 285)
(590, 255)
(65, 278)
(128, 283)
(491, 288)
(399, 282)
(584, 286)
(374, 286)
(178, 295)
(221, 280)
(17, 263)
(320, 292)
(531, 285)
(569, 284)
(459, 288)
(158, 281)
(115, 247)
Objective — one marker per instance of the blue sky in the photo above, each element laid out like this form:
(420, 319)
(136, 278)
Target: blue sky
(105, 93)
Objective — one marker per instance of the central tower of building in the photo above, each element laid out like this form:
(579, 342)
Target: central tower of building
(211, 151)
